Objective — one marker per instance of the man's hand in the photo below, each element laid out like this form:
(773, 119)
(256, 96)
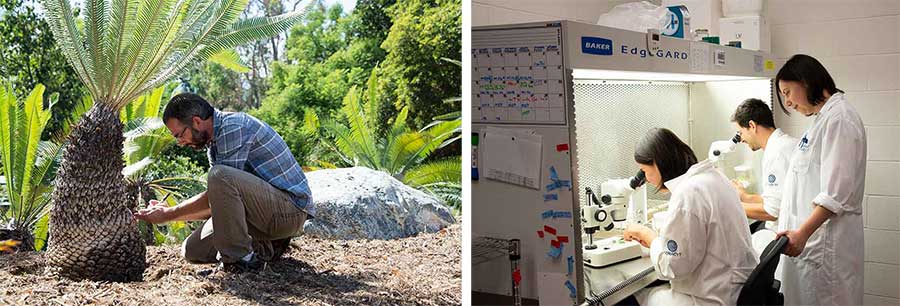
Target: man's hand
(796, 242)
(156, 212)
(644, 235)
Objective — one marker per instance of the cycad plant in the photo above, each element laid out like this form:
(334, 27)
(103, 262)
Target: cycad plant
(27, 164)
(400, 151)
(122, 49)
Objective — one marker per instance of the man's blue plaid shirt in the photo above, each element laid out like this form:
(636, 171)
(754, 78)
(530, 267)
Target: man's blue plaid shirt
(243, 142)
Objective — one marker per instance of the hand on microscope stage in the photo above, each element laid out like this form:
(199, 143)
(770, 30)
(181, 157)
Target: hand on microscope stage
(644, 235)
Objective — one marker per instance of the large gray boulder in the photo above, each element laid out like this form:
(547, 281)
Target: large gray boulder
(361, 203)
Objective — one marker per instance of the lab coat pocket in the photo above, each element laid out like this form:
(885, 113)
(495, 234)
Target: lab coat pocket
(816, 247)
(800, 162)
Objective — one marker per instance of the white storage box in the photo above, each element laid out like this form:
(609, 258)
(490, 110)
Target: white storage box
(751, 31)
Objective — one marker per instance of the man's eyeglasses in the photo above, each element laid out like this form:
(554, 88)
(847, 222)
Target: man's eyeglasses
(182, 132)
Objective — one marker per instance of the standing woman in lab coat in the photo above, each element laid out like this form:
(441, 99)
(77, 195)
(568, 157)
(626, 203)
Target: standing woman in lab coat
(704, 248)
(821, 208)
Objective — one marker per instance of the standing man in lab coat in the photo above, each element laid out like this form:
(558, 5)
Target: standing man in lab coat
(756, 126)
(821, 209)
(704, 248)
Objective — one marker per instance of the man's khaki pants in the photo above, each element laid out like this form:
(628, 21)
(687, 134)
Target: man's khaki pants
(247, 213)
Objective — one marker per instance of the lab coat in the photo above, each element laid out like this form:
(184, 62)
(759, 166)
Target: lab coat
(704, 249)
(828, 168)
(775, 162)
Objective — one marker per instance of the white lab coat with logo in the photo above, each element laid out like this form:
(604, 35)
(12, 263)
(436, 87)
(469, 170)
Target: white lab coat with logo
(704, 249)
(828, 168)
(775, 162)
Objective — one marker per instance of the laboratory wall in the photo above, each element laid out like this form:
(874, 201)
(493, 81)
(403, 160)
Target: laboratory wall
(859, 43)
(491, 12)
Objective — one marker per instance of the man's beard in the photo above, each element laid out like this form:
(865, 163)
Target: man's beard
(198, 140)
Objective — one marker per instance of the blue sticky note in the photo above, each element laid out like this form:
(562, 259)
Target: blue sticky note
(562, 214)
(550, 197)
(552, 186)
(547, 214)
(571, 264)
(554, 252)
(572, 291)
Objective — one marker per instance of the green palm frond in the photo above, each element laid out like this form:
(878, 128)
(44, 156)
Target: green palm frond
(441, 179)
(404, 151)
(231, 60)
(49, 154)
(145, 134)
(361, 138)
(136, 167)
(128, 47)
(8, 114)
(141, 126)
(27, 161)
(343, 144)
(446, 170)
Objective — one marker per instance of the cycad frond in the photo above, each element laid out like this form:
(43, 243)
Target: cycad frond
(141, 126)
(231, 60)
(439, 178)
(26, 159)
(128, 47)
(361, 137)
(447, 170)
(404, 151)
(69, 39)
(36, 118)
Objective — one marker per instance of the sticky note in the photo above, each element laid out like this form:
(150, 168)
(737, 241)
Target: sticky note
(547, 214)
(562, 214)
(517, 276)
(555, 243)
(552, 186)
(571, 263)
(555, 252)
(572, 291)
(540, 234)
(562, 147)
(551, 197)
(563, 239)
(549, 230)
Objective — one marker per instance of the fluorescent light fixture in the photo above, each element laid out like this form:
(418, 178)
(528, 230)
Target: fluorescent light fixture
(595, 74)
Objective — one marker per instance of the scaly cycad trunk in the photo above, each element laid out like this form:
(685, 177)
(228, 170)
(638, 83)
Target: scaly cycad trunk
(92, 233)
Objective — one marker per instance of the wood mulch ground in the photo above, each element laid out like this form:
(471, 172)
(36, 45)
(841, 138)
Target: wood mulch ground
(421, 270)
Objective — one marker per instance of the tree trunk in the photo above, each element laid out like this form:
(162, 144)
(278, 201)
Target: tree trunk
(93, 235)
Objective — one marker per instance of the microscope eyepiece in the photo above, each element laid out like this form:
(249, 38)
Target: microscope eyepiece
(638, 180)
(736, 138)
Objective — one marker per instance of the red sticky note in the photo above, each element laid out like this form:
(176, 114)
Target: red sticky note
(562, 147)
(541, 234)
(517, 276)
(549, 230)
(554, 243)
(563, 238)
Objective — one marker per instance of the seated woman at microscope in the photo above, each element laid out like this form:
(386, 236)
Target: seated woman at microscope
(704, 248)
